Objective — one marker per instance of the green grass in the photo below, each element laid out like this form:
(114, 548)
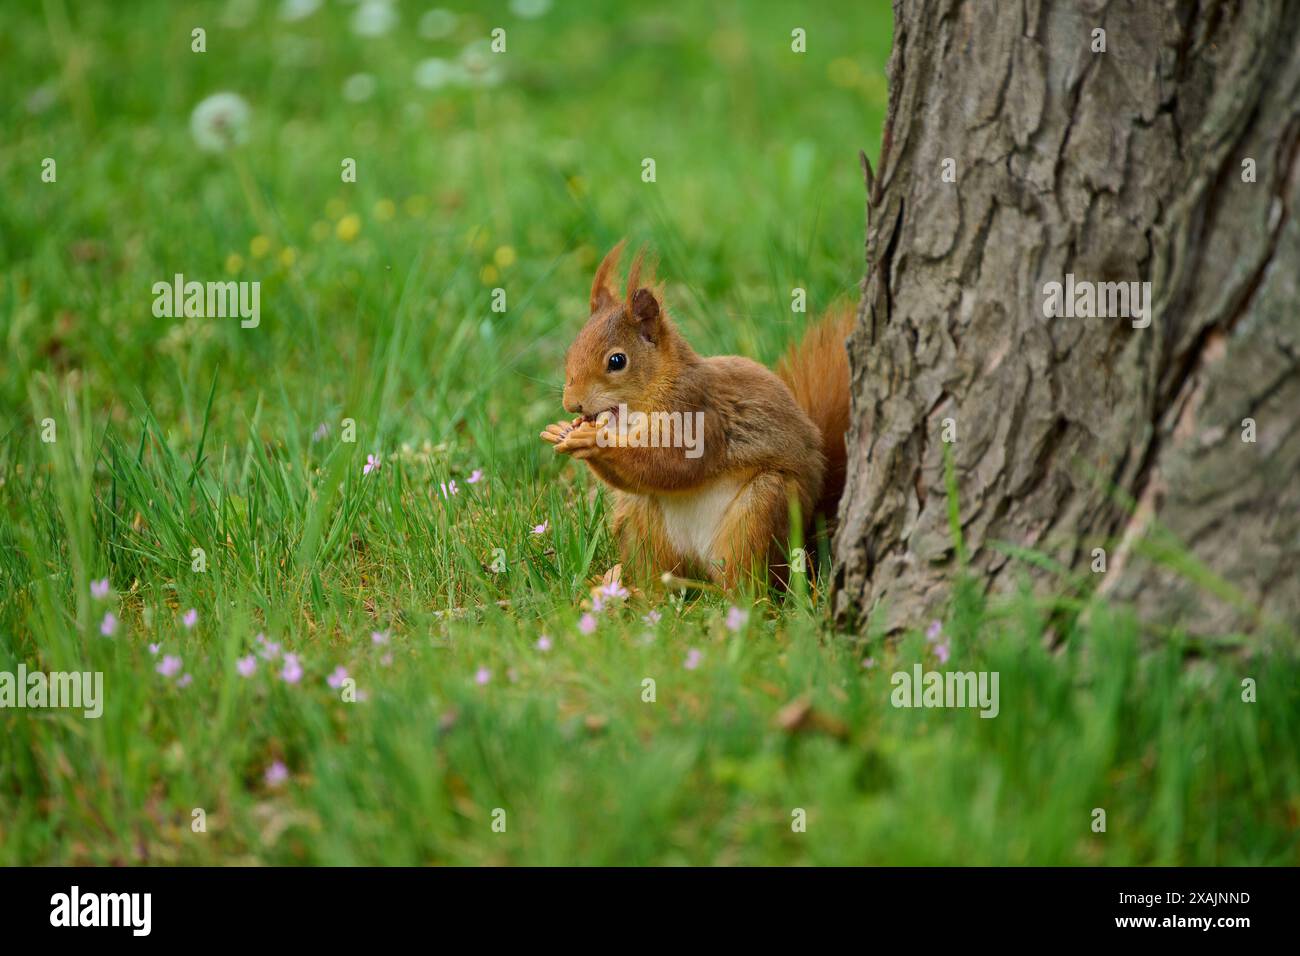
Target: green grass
(194, 433)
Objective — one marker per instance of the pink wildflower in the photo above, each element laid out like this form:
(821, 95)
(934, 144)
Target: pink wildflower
(292, 672)
(276, 774)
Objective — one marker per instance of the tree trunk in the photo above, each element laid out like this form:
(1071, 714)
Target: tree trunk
(1073, 433)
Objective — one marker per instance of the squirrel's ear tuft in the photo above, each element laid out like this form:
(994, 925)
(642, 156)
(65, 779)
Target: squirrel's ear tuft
(642, 301)
(635, 279)
(646, 313)
(602, 287)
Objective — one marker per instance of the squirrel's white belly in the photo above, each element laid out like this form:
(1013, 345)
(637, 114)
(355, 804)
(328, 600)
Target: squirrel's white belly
(692, 520)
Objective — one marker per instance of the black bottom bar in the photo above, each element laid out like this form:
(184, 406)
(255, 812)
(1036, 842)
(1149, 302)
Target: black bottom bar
(367, 906)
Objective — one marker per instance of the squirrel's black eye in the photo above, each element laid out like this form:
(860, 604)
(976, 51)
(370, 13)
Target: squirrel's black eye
(617, 362)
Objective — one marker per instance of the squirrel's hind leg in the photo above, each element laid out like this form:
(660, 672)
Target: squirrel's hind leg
(643, 542)
(749, 540)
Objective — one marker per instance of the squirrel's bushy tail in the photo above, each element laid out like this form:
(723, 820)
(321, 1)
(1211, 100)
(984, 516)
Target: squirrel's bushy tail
(817, 372)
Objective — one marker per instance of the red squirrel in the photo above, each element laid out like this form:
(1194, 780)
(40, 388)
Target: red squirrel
(718, 509)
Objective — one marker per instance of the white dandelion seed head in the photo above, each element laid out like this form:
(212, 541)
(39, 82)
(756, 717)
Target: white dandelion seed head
(530, 9)
(437, 24)
(374, 18)
(480, 65)
(220, 121)
(435, 73)
(359, 87)
(291, 10)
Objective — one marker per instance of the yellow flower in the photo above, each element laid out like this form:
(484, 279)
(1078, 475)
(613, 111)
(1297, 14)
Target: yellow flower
(320, 230)
(489, 274)
(348, 227)
(335, 208)
(873, 84)
(234, 262)
(385, 209)
(288, 256)
(842, 72)
(259, 246)
(504, 256)
(414, 205)
(728, 45)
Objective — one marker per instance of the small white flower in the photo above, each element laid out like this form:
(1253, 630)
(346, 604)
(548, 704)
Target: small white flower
(220, 121)
(374, 18)
(529, 9)
(437, 24)
(359, 87)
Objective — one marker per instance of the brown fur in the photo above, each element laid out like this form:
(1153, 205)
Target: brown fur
(817, 373)
(763, 435)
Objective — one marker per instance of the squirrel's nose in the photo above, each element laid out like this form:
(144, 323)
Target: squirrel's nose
(572, 407)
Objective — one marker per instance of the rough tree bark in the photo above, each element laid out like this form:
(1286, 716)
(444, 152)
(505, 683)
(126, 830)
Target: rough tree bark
(1082, 433)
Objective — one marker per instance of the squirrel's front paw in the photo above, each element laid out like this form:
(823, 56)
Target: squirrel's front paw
(559, 431)
(580, 441)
